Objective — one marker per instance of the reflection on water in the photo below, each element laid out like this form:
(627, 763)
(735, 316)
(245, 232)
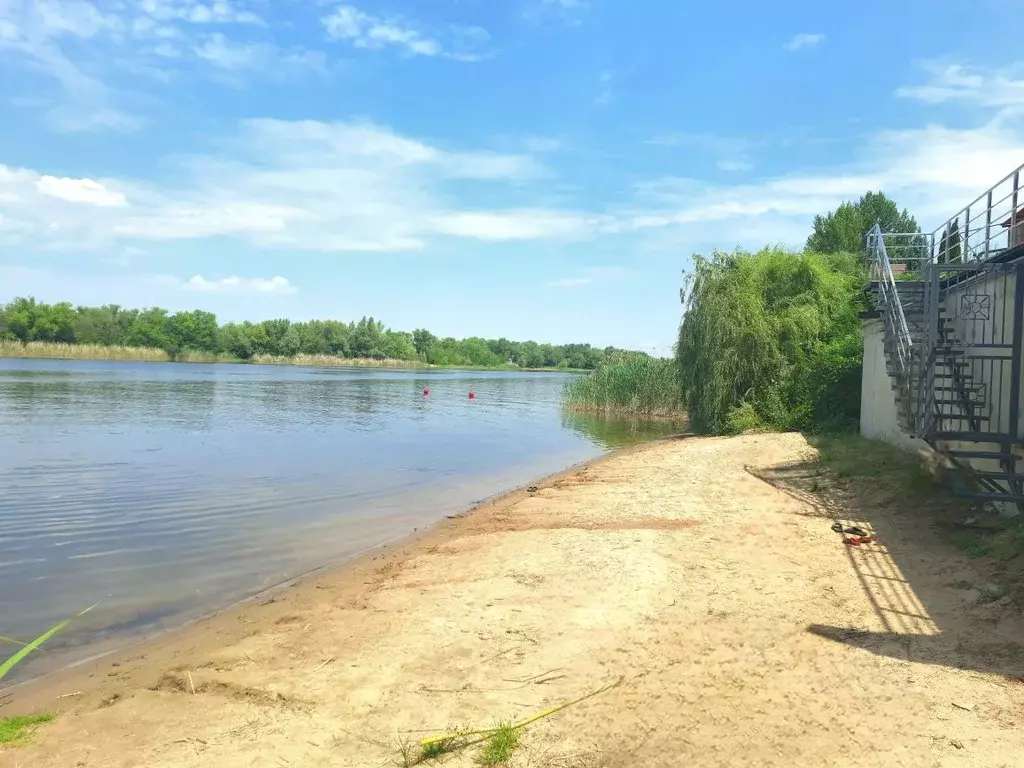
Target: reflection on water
(168, 490)
(612, 432)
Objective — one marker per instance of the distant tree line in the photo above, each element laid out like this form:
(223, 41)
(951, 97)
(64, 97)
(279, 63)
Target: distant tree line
(25, 319)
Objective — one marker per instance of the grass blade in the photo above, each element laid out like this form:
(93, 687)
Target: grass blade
(14, 660)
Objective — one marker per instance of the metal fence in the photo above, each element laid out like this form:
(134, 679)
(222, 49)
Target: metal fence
(988, 226)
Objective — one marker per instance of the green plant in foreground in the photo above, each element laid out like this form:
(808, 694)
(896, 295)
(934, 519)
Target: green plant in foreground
(500, 745)
(13, 729)
(436, 749)
(26, 649)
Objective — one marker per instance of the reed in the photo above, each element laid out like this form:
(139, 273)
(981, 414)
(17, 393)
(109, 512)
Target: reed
(195, 356)
(641, 386)
(61, 351)
(331, 360)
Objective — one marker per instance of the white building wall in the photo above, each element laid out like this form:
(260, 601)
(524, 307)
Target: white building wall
(877, 400)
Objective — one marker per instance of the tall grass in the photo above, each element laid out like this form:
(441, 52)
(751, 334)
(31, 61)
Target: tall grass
(641, 386)
(195, 356)
(331, 360)
(53, 349)
(58, 350)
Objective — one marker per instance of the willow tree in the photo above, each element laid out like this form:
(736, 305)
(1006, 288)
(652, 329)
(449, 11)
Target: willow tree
(771, 339)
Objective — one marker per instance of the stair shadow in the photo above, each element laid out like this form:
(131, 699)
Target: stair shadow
(931, 603)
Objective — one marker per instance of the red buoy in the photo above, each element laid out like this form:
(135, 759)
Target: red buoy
(426, 391)
(471, 394)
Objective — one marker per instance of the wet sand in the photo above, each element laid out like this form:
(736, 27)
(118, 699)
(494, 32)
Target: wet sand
(722, 620)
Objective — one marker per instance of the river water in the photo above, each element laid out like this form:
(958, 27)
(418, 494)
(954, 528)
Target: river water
(164, 491)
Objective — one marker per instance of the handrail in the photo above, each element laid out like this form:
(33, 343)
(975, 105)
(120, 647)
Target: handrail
(893, 307)
(987, 226)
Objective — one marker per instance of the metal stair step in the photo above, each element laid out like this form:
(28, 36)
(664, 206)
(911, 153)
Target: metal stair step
(985, 496)
(968, 437)
(969, 454)
(997, 475)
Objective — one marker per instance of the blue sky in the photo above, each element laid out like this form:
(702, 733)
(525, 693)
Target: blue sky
(527, 168)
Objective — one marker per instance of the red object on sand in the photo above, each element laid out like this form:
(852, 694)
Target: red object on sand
(471, 394)
(426, 391)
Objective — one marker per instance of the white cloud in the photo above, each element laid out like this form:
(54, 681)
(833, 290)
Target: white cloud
(240, 285)
(512, 225)
(732, 151)
(589, 275)
(955, 82)
(83, 46)
(74, 17)
(234, 57)
(364, 30)
(189, 11)
(734, 165)
(565, 10)
(932, 171)
(330, 187)
(85, 191)
(356, 186)
(804, 40)
(540, 144)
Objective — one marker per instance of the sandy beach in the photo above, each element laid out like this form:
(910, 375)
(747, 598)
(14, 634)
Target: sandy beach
(711, 610)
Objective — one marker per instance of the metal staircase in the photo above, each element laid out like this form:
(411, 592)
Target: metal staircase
(955, 375)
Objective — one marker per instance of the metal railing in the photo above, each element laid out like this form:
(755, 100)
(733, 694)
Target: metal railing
(991, 224)
(898, 338)
(908, 253)
(893, 316)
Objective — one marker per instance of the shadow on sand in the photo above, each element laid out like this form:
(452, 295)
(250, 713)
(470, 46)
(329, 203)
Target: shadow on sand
(934, 604)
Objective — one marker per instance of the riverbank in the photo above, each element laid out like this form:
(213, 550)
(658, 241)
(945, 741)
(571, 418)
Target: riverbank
(716, 615)
(44, 350)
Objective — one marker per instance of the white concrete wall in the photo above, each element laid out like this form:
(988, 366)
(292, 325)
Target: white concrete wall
(877, 400)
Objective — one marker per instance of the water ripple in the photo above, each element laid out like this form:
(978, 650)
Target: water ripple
(168, 490)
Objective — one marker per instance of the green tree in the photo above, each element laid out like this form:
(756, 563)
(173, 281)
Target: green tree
(235, 340)
(193, 330)
(398, 345)
(366, 339)
(149, 328)
(530, 355)
(843, 230)
(950, 247)
(26, 319)
(770, 339)
(98, 325)
(476, 351)
(423, 340)
(29, 320)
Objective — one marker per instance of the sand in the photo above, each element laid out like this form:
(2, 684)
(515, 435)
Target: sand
(725, 622)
